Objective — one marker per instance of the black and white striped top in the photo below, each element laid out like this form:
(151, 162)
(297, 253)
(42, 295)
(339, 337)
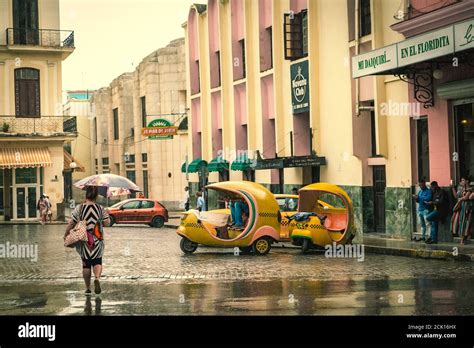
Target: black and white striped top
(91, 213)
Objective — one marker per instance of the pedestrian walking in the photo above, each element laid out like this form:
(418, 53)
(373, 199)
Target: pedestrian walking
(42, 206)
(439, 211)
(49, 213)
(423, 196)
(92, 251)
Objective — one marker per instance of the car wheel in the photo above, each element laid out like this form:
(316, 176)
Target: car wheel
(112, 221)
(305, 246)
(158, 222)
(187, 246)
(262, 246)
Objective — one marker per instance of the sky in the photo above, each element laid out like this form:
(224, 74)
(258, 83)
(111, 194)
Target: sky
(113, 36)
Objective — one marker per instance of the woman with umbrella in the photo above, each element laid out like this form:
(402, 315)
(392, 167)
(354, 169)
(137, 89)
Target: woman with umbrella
(96, 217)
(91, 252)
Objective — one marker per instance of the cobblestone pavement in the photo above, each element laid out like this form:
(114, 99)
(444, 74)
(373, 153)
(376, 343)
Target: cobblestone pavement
(144, 253)
(145, 272)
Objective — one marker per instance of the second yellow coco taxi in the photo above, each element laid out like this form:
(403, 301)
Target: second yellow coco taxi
(325, 216)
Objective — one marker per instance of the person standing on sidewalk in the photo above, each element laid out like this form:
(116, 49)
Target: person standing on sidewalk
(186, 198)
(438, 213)
(423, 196)
(458, 194)
(201, 203)
(466, 215)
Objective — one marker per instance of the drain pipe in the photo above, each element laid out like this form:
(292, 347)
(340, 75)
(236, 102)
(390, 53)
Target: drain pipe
(356, 52)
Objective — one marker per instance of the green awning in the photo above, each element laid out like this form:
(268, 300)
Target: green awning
(241, 163)
(218, 164)
(194, 166)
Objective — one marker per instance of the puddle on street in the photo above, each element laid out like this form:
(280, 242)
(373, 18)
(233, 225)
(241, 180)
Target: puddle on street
(269, 297)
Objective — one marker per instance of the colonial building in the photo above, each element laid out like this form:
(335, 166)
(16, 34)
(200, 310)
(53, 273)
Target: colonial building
(272, 100)
(155, 93)
(432, 50)
(33, 133)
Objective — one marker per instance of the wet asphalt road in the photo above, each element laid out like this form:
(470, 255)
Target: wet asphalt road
(146, 273)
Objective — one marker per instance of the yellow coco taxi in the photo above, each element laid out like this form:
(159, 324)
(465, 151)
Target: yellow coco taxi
(325, 216)
(211, 228)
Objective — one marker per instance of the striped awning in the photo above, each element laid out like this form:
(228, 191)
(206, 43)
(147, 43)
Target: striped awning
(24, 157)
(68, 159)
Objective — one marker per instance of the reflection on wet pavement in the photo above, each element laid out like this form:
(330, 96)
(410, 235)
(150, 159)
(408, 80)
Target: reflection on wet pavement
(422, 296)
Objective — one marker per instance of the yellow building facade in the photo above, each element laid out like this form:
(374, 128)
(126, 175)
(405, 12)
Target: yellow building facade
(272, 100)
(34, 130)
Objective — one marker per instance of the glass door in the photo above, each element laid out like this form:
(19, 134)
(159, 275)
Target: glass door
(21, 203)
(31, 202)
(464, 132)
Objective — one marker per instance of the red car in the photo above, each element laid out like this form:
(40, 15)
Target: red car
(136, 211)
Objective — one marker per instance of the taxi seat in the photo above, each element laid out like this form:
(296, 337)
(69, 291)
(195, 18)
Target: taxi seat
(336, 222)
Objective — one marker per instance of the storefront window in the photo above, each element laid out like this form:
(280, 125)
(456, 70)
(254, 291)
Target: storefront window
(2, 209)
(464, 116)
(26, 175)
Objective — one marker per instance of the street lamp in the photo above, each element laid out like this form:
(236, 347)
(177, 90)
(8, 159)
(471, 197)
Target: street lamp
(73, 165)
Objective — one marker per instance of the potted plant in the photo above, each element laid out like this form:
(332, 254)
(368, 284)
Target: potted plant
(5, 127)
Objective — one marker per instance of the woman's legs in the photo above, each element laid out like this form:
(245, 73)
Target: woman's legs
(97, 271)
(86, 274)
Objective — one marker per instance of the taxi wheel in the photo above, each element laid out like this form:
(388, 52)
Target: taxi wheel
(262, 246)
(187, 246)
(306, 245)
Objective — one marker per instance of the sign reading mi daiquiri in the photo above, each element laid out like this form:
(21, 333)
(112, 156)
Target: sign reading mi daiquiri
(437, 43)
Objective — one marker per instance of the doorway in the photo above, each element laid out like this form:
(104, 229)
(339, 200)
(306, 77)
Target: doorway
(464, 138)
(379, 198)
(25, 22)
(26, 198)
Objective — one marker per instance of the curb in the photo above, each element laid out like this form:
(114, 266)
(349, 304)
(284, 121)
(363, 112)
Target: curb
(418, 253)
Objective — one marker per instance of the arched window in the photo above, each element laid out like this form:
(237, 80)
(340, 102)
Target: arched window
(27, 92)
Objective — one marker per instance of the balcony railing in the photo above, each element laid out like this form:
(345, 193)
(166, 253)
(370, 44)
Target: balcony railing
(40, 37)
(44, 125)
(416, 8)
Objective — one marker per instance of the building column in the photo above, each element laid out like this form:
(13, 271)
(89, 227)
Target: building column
(7, 181)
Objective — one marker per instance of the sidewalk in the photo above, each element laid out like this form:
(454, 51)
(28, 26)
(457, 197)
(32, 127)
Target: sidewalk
(378, 243)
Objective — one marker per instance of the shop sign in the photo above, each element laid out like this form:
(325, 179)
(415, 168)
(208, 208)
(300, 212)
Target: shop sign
(375, 61)
(464, 34)
(300, 87)
(427, 46)
(271, 163)
(441, 42)
(304, 161)
(160, 129)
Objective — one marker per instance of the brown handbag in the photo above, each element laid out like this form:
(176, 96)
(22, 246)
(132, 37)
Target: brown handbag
(77, 234)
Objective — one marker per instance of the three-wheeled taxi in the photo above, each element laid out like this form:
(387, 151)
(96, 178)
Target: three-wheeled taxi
(325, 216)
(213, 228)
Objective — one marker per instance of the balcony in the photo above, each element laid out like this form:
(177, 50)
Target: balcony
(40, 39)
(424, 15)
(420, 7)
(44, 126)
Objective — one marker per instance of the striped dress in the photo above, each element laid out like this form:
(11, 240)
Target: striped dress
(92, 213)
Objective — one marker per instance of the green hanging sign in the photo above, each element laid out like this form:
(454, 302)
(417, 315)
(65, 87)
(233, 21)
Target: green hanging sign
(300, 87)
(160, 129)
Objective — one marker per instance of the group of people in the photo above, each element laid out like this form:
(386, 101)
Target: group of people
(44, 208)
(434, 205)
